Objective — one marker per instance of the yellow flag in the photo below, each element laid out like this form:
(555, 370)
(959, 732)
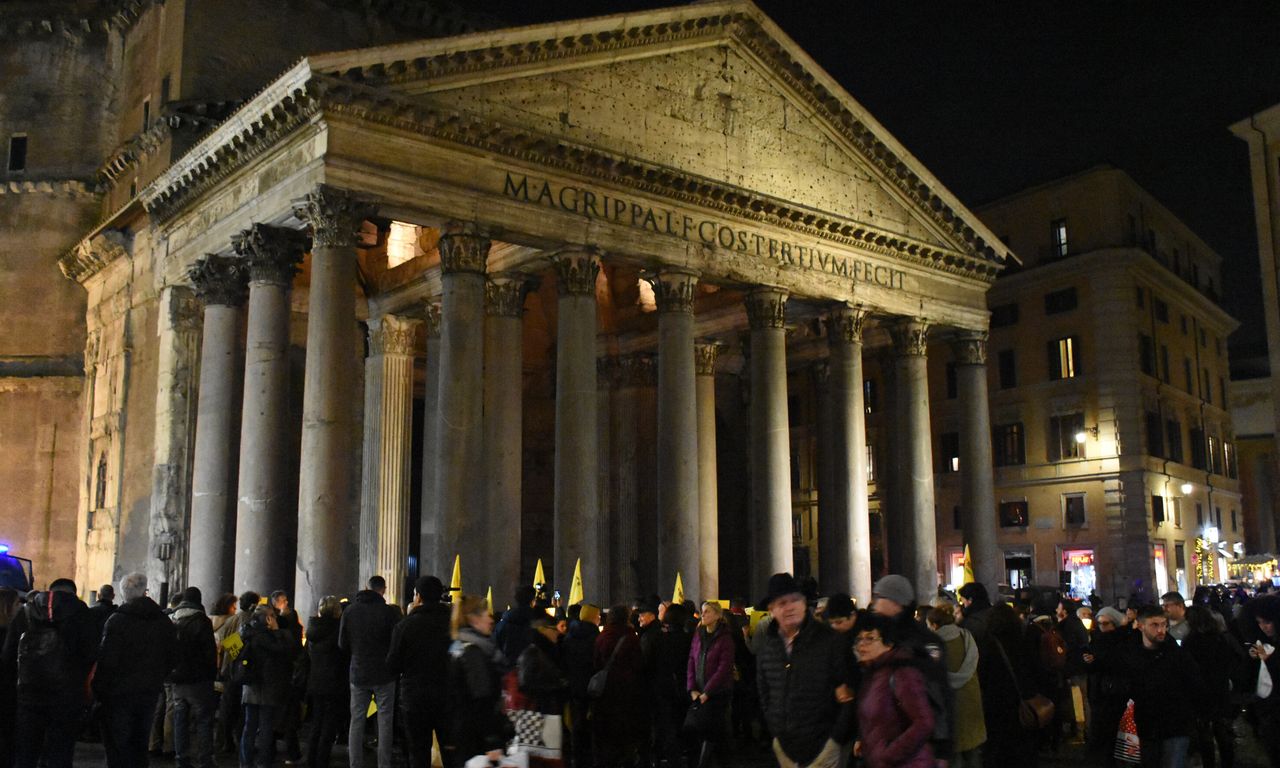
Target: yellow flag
(575, 590)
(678, 595)
(538, 578)
(488, 599)
(968, 566)
(455, 586)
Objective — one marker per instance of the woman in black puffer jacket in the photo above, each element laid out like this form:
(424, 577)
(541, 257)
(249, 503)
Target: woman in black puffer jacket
(268, 654)
(327, 689)
(1219, 660)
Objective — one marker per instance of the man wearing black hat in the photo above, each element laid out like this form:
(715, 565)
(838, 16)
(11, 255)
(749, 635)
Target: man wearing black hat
(801, 664)
(419, 654)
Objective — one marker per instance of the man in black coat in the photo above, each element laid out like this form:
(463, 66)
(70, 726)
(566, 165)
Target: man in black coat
(365, 633)
(577, 651)
(419, 654)
(513, 633)
(192, 679)
(52, 645)
(801, 663)
(100, 611)
(139, 650)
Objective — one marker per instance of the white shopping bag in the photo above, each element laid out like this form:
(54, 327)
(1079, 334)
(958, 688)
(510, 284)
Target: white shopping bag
(1265, 683)
(507, 761)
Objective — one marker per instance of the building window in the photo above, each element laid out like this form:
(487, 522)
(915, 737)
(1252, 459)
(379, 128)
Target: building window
(1173, 439)
(1215, 456)
(1164, 363)
(1186, 372)
(1180, 556)
(1206, 393)
(1175, 506)
(17, 153)
(1008, 447)
(1146, 354)
(1217, 512)
(1062, 441)
(1160, 309)
(1004, 315)
(949, 448)
(1229, 460)
(1155, 434)
(1157, 510)
(1222, 393)
(1073, 510)
(146, 113)
(1063, 358)
(1151, 242)
(1199, 514)
(1013, 514)
(1183, 320)
(1204, 338)
(1233, 521)
(1197, 449)
(1008, 369)
(1058, 231)
(1064, 300)
(953, 386)
(869, 395)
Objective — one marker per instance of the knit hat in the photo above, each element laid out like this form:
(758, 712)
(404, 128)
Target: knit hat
(896, 588)
(1115, 615)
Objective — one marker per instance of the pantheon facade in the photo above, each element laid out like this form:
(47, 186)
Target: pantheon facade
(436, 300)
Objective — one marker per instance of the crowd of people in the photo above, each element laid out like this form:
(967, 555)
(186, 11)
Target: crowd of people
(658, 684)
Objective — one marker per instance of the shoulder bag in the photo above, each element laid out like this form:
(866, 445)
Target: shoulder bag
(598, 681)
(1033, 713)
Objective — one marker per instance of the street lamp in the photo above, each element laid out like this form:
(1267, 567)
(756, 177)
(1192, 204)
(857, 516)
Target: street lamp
(1187, 488)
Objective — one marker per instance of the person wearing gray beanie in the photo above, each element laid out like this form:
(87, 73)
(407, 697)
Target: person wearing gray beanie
(1108, 616)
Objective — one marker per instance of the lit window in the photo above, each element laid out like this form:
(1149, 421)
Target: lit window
(1062, 358)
(1059, 232)
(1013, 514)
(402, 244)
(1062, 436)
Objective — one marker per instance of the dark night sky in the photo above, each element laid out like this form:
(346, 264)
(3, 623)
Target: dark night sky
(994, 97)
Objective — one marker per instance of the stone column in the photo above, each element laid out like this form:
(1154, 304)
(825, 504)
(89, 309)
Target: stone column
(222, 283)
(977, 473)
(429, 527)
(830, 535)
(460, 412)
(265, 525)
(607, 376)
(679, 542)
(328, 520)
(634, 373)
(772, 549)
(577, 520)
(504, 426)
(708, 493)
(177, 362)
(918, 523)
(852, 570)
(388, 438)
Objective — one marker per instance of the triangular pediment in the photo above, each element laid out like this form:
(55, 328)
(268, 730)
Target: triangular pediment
(712, 92)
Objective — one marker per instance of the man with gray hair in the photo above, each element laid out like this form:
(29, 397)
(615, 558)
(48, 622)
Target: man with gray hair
(139, 649)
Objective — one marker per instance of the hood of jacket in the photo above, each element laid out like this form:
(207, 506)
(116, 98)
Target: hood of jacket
(55, 606)
(142, 608)
(186, 609)
(483, 642)
(370, 597)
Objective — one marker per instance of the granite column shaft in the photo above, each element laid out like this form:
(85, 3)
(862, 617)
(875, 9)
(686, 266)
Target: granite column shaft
(852, 571)
(919, 528)
(708, 489)
(504, 426)
(770, 451)
(977, 471)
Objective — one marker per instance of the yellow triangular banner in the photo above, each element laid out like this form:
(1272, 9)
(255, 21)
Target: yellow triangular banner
(968, 566)
(539, 578)
(678, 595)
(575, 590)
(488, 599)
(455, 586)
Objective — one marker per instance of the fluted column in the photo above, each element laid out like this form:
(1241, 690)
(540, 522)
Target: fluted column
(918, 525)
(503, 425)
(388, 437)
(577, 520)
(851, 571)
(772, 550)
(679, 541)
(977, 473)
(265, 524)
(328, 501)
(708, 493)
(222, 284)
(429, 526)
(464, 254)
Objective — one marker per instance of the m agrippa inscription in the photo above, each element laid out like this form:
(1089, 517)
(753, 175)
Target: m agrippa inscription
(620, 210)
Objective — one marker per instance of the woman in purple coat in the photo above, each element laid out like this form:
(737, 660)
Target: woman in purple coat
(710, 680)
(894, 716)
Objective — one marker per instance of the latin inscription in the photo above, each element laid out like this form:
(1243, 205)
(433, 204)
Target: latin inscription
(599, 205)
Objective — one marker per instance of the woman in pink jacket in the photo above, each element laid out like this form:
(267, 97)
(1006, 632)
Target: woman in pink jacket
(710, 681)
(894, 717)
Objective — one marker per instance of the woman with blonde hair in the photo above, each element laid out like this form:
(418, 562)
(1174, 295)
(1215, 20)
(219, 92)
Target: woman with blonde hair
(710, 681)
(479, 726)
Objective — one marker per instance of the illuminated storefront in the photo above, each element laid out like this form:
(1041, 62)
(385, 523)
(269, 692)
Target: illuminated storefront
(1080, 571)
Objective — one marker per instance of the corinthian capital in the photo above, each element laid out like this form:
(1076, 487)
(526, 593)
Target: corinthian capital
(844, 325)
(970, 348)
(910, 338)
(432, 318)
(705, 355)
(220, 280)
(462, 249)
(504, 294)
(335, 215)
(766, 308)
(673, 289)
(273, 253)
(576, 271)
(392, 335)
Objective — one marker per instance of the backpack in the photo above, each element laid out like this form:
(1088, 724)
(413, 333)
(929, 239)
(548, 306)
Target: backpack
(244, 670)
(44, 660)
(938, 691)
(1053, 650)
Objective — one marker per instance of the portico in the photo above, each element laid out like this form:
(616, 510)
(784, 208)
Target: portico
(680, 186)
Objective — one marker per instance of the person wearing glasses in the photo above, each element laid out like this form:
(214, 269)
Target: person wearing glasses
(895, 719)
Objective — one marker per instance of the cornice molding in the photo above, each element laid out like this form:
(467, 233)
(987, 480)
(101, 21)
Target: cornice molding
(68, 187)
(93, 254)
(73, 26)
